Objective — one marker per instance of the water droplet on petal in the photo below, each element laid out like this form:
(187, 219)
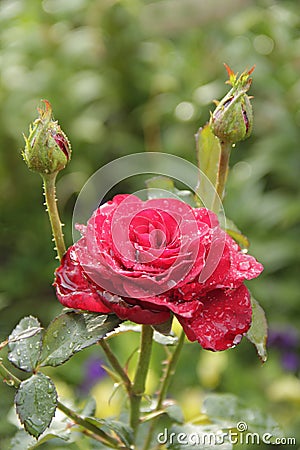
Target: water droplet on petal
(245, 265)
(237, 339)
(171, 284)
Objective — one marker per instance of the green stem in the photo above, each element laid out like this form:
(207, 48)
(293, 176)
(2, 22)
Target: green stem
(116, 365)
(172, 363)
(51, 202)
(138, 387)
(3, 344)
(170, 370)
(222, 175)
(8, 376)
(13, 381)
(87, 425)
(93, 436)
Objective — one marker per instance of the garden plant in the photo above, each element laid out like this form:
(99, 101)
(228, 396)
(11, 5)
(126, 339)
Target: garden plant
(164, 262)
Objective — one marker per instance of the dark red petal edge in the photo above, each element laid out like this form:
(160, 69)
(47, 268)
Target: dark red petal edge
(73, 289)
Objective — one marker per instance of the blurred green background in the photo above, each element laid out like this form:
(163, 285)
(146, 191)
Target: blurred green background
(135, 75)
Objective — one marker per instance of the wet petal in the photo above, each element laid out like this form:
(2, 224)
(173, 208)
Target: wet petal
(134, 312)
(222, 320)
(73, 289)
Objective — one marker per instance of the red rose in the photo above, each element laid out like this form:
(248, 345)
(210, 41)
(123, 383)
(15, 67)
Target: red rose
(146, 260)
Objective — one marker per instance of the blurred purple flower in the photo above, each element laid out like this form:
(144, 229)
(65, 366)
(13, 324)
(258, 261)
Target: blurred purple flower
(287, 341)
(283, 339)
(290, 361)
(93, 373)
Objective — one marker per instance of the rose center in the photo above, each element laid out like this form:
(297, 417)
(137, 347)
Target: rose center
(157, 238)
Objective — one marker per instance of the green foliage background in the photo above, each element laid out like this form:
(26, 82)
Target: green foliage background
(131, 76)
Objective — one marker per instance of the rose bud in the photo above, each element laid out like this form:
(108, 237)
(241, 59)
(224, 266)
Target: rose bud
(232, 119)
(47, 148)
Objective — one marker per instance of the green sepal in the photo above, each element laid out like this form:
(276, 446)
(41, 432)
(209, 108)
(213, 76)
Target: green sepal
(163, 339)
(258, 332)
(208, 151)
(164, 187)
(165, 327)
(233, 231)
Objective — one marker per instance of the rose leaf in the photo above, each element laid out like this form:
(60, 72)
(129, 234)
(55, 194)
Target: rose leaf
(73, 331)
(229, 411)
(122, 430)
(25, 344)
(36, 402)
(22, 441)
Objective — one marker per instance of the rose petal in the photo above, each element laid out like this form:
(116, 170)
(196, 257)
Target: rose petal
(147, 260)
(204, 215)
(73, 289)
(242, 267)
(134, 312)
(217, 261)
(222, 320)
(180, 308)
